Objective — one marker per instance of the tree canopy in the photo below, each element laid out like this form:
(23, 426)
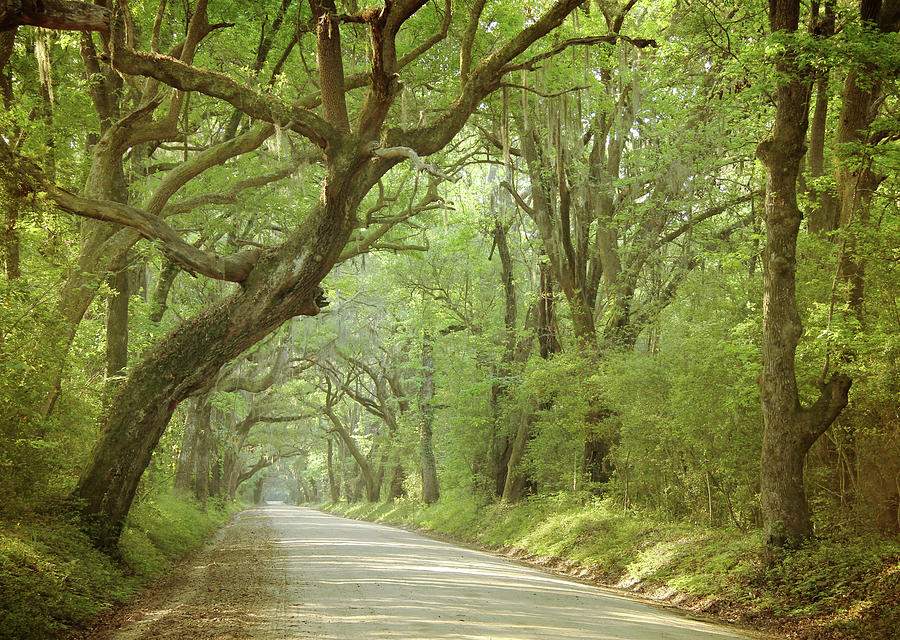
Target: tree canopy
(640, 249)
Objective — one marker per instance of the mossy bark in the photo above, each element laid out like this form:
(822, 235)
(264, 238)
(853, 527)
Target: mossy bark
(789, 428)
(284, 284)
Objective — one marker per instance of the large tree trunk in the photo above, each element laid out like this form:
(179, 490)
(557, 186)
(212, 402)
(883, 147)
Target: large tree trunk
(514, 486)
(10, 236)
(282, 285)
(789, 428)
(396, 489)
(499, 445)
(430, 489)
(823, 216)
(160, 298)
(258, 490)
(184, 467)
(230, 470)
(203, 417)
(117, 326)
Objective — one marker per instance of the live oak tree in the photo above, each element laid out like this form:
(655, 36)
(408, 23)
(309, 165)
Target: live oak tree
(280, 281)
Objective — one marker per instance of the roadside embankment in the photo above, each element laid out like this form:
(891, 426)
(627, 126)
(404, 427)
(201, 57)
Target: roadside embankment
(52, 580)
(830, 589)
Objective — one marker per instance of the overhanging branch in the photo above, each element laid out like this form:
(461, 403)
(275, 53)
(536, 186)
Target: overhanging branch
(412, 156)
(233, 268)
(53, 14)
(185, 77)
(529, 64)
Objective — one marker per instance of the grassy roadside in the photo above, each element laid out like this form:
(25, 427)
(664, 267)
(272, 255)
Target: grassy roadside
(830, 589)
(52, 579)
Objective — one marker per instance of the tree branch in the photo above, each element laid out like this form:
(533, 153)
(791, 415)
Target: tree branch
(529, 64)
(706, 215)
(53, 14)
(185, 77)
(230, 195)
(518, 198)
(197, 164)
(482, 81)
(407, 152)
(331, 64)
(233, 268)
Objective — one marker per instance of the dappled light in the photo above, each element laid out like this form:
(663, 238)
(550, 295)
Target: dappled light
(608, 287)
(351, 579)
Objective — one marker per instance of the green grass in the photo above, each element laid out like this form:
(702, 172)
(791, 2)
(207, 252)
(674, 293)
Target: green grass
(830, 588)
(52, 579)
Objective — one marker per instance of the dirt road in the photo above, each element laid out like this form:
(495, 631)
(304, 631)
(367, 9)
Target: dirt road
(282, 572)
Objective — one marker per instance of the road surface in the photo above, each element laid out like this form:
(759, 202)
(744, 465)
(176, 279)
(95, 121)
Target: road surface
(281, 572)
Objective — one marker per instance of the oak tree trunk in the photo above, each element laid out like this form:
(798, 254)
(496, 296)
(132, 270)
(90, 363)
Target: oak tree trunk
(516, 481)
(789, 428)
(430, 489)
(184, 467)
(332, 485)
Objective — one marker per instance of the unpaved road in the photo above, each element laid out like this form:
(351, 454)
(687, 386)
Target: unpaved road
(282, 572)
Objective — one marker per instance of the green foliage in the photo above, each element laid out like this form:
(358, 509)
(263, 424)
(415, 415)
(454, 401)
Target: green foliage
(564, 392)
(52, 578)
(170, 525)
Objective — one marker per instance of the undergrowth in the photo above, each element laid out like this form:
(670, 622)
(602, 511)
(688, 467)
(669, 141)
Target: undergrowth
(830, 588)
(52, 579)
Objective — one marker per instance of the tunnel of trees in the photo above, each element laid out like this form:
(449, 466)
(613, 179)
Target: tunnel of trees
(641, 249)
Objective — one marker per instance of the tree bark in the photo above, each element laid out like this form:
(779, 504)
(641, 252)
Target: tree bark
(117, 325)
(10, 236)
(499, 445)
(160, 298)
(203, 417)
(789, 429)
(258, 491)
(54, 14)
(369, 474)
(430, 489)
(333, 486)
(184, 467)
(823, 216)
(856, 178)
(514, 486)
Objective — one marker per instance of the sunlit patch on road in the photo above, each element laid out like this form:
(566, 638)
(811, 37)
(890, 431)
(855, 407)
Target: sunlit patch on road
(349, 579)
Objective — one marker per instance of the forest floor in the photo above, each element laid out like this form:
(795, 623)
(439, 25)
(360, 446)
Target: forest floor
(281, 572)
